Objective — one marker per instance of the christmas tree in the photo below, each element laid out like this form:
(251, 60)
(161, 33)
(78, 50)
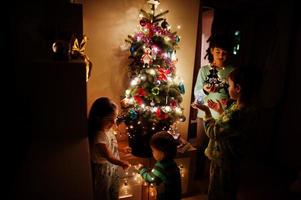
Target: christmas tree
(152, 102)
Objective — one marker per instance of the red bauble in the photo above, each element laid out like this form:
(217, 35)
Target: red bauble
(138, 100)
(143, 22)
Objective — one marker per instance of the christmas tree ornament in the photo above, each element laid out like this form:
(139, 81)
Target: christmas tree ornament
(77, 51)
(133, 114)
(143, 21)
(132, 49)
(182, 88)
(212, 78)
(60, 50)
(177, 39)
(164, 24)
(182, 118)
(155, 91)
(146, 58)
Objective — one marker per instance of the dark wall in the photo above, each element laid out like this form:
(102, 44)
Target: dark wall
(32, 28)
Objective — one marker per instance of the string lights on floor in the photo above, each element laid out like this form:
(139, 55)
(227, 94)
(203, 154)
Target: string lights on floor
(131, 179)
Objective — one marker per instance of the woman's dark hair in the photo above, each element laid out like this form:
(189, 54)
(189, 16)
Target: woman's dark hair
(220, 40)
(249, 78)
(101, 108)
(166, 143)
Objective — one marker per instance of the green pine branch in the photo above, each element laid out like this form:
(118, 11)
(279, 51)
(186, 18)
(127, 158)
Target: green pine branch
(145, 14)
(158, 20)
(161, 14)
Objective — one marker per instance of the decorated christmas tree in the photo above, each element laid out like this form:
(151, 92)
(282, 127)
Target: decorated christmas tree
(152, 102)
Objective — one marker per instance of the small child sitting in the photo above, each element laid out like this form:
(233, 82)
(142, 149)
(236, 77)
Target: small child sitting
(165, 174)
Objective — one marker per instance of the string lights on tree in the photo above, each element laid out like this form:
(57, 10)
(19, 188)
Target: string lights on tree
(152, 102)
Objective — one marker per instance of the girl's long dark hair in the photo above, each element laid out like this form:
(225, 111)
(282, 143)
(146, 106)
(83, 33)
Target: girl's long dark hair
(101, 108)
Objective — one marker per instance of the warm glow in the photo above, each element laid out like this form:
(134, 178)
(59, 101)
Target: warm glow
(152, 190)
(125, 190)
(182, 170)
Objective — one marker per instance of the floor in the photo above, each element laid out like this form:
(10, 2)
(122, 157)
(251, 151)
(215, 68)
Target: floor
(199, 190)
(199, 186)
(197, 197)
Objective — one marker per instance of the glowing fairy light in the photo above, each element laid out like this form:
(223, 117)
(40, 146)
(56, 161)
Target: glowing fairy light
(137, 167)
(155, 49)
(179, 27)
(143, 77)
(151, 72)
(182, 170)
(154, 109)
(165, 55)
(178, 110)
(173, 56)
(134, 82)
(127, 92)
(125, 187)
(145, 30)
(131, 101)
(169, 79)
(138, 38)
(167, 109)
(152, 190)
(137, 178)
(167, 39)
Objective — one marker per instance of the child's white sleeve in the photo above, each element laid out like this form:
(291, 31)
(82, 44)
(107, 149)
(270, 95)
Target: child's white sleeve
(100, 138)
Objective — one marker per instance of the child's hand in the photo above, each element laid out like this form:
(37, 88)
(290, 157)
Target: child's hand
(127, 150)
(125, 165)
(217, 106)
(200, 106)
(194, 105)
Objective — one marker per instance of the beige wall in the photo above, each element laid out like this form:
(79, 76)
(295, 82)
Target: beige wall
(108, 22)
